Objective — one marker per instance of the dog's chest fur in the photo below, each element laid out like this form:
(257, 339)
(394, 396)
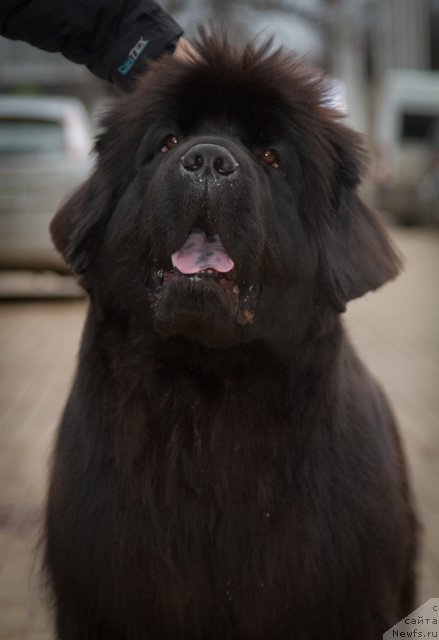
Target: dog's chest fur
(213, 478)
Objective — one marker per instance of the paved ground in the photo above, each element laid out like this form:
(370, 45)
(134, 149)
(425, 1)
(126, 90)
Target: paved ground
(396, 330)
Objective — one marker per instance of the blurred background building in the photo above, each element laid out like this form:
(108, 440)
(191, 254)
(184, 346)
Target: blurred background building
(358, 41)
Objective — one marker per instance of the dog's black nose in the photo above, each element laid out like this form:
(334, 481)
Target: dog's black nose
(209, 158)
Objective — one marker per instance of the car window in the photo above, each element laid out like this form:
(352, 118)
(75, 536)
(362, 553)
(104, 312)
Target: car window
(419, 127)
(30, 136)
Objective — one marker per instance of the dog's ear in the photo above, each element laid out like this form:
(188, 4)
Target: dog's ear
(356, 253)
(79, 224)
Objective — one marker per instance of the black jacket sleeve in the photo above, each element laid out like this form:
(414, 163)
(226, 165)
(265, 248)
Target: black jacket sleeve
(114, 38)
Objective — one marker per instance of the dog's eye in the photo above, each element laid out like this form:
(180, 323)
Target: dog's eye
(270, 157)
(169, 142)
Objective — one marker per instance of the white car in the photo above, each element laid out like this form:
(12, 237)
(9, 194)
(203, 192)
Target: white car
(45, 145)
(407, 146)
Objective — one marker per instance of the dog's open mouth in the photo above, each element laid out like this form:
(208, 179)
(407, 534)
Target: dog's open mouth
(202, 264)
(202, 252)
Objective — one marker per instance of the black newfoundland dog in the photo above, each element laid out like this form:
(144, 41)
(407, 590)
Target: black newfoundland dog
(226, 468)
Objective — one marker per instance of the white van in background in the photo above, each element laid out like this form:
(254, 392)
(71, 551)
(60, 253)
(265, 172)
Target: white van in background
(45, 142)
(406, 141)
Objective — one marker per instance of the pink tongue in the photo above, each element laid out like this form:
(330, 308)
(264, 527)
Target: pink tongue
(200, 252)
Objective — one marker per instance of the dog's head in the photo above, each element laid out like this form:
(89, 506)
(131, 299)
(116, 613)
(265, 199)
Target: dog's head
(224, 203)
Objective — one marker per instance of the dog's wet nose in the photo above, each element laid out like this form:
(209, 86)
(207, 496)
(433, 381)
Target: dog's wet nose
(209, 158)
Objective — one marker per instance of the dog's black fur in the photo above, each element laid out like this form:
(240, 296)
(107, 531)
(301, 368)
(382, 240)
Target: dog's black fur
(226, 471)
